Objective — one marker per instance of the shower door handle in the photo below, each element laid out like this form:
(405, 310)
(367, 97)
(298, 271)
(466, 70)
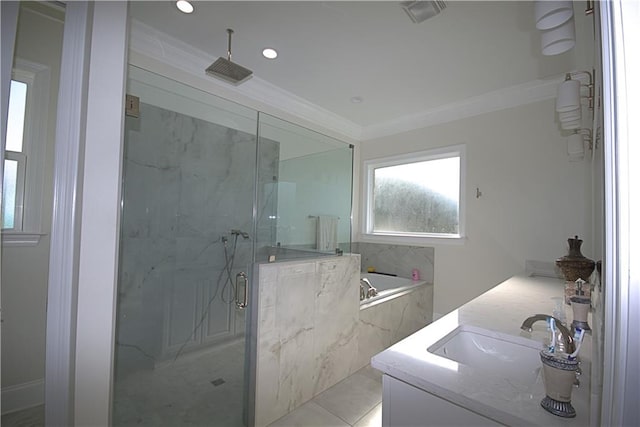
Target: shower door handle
(242, 297)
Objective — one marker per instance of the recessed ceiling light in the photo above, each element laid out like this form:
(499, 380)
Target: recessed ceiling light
(269, 53)
(357, 100)
(184, 6)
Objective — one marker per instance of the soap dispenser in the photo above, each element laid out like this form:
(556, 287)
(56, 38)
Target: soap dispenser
(580, 305)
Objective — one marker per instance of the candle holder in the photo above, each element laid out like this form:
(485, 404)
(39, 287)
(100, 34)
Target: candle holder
(559, 374)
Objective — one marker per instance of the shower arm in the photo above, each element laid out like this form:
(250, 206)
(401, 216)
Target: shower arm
(229, 31)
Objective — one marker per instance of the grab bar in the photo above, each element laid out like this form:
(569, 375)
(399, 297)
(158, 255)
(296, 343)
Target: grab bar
(242, 281)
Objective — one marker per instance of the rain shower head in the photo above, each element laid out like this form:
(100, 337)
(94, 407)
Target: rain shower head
(224, 69)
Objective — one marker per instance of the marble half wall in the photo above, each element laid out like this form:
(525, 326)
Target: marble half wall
(306, 333)
(397, 259)
(311, 332)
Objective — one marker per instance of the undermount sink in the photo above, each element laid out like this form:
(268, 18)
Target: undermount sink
(493, 353)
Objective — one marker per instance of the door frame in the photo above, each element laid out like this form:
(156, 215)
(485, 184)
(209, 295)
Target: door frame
(620, 22)
(84, 238)
(63, 279)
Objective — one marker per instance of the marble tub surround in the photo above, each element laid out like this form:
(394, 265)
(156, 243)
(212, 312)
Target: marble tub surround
(502, 310)
(389, 321)
(307, 331)
(397, 259)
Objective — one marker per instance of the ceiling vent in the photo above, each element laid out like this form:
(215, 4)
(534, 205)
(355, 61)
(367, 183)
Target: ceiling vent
(420, 11)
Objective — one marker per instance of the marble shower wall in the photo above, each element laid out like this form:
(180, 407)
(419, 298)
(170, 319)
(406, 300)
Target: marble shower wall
(307, 331)
(397, 259)
(187, 183)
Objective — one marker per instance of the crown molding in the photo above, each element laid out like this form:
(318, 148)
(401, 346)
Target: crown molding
(173, 52)
(514, 96)
(148, 41)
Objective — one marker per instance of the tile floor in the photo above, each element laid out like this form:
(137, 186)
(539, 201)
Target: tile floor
(355, 401)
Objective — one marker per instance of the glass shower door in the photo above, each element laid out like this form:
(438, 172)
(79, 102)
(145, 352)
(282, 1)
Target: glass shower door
(186, 252)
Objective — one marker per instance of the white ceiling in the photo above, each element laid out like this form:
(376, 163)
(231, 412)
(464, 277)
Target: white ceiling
(330, 52)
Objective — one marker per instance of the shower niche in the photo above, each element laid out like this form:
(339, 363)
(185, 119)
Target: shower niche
(206, 198)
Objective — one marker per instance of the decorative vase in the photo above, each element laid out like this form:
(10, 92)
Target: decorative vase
(575, 266)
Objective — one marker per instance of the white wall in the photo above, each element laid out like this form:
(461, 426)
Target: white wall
(533, 197)
(25, 269)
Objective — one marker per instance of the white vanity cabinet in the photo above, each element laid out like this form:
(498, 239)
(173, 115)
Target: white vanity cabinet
(459, 386)
(406, 405)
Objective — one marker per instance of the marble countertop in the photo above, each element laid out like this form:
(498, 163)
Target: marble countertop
(501, 309)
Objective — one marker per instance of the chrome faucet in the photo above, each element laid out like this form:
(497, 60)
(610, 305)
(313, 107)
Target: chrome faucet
(366, 289)
(565, 334)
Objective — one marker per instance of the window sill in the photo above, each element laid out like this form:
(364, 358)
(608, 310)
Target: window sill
(17, 239)
(412, 240)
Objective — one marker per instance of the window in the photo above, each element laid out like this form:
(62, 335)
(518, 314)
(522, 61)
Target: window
(25, 150)
(415, 196)
(14, 163)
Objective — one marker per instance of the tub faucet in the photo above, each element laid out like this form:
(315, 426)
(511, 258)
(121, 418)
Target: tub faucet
(565, 334)
(367, 288)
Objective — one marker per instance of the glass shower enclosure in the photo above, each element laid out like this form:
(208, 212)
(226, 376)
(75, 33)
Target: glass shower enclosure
(210, 188)
(306, 203)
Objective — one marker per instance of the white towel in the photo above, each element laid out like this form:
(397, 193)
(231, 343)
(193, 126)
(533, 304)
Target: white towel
(327, 233)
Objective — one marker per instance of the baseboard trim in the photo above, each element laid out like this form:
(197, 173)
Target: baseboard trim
(22, 396)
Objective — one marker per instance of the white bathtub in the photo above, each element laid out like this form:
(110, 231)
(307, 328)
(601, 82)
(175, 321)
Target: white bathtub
(388, 287)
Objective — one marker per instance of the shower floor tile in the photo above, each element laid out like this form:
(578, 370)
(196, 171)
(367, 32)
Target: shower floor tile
(201, 389)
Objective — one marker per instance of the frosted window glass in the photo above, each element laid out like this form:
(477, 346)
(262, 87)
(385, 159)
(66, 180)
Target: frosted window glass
(9, 193)
(420, 197)
(16, 115)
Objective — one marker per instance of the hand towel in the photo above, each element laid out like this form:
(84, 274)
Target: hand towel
(327, 233)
